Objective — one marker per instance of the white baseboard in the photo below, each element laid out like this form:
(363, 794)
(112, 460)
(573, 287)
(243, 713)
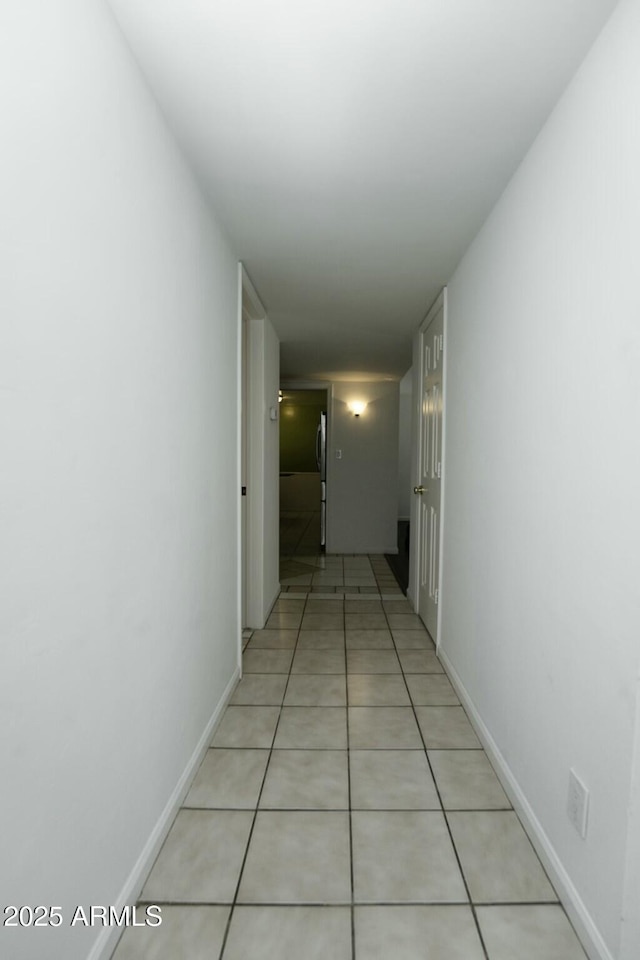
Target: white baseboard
(585, 928)
(106, 941)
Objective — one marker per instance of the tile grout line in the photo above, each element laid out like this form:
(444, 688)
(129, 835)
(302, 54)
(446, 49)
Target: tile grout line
(164, 902)
(270, 750)
(346, 674)
(351, 865)
(437, 788)
(259, 797)
(256, 810)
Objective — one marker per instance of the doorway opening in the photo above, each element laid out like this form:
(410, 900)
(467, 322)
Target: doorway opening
(303, 434)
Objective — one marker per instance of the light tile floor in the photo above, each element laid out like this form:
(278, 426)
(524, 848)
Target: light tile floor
(345, 809)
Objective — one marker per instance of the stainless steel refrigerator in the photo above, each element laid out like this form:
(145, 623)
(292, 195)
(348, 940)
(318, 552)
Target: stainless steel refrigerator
(321, 461)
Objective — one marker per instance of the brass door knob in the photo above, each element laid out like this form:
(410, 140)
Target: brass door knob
(420, 489)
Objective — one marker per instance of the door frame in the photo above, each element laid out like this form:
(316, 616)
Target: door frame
(416, 453)
(251, 533)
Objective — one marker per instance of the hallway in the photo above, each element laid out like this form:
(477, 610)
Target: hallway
(181, 173)
(345, 809)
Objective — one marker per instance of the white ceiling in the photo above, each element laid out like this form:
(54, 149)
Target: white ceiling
(352, 148)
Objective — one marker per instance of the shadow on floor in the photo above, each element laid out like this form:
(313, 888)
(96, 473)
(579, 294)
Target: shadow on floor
(399, 562)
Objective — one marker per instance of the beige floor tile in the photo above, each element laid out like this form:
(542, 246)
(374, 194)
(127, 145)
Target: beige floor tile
(201, 858)
(279, 620)
(334, 606)
(308, 690)
(412, 640)
(466, 780)
(404, 857)
(405, 621)
(377, 690)
(420, 661)
(193, 932)
(499, 863)
(372, 661)
(289, 933)
(286, 604)
(446, 728)
(318, 661)
(307, 780)
(260, 689)
(365, 621)
(392, 780)
(369, 640)
(267, 661)
(432, 690)
(273, 640)
(328, 580)
(247, 727)
(364, 605)
(321, 640)
(528, 933)
(417, 933)
(312, 728)
(298, 857)
(383, 728)
(397, 606)
(322, 621)
(228, 778)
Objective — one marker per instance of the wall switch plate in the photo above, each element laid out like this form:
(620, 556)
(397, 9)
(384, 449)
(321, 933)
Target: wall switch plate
(338, 454)
(578, 803)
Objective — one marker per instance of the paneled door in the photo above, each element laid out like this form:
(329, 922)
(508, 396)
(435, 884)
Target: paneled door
(428, 487)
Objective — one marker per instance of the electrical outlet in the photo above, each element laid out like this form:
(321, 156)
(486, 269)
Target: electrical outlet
(578, 803)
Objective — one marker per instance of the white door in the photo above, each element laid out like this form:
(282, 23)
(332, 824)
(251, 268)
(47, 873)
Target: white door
(428, 487)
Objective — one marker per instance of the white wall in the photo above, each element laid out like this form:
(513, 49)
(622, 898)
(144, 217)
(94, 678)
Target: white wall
(119, 502)
(362, 487)
(405, 439)
(263, 471)
(541, 618)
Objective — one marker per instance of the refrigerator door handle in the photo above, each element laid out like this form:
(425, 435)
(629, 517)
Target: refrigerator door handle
(318, 446)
